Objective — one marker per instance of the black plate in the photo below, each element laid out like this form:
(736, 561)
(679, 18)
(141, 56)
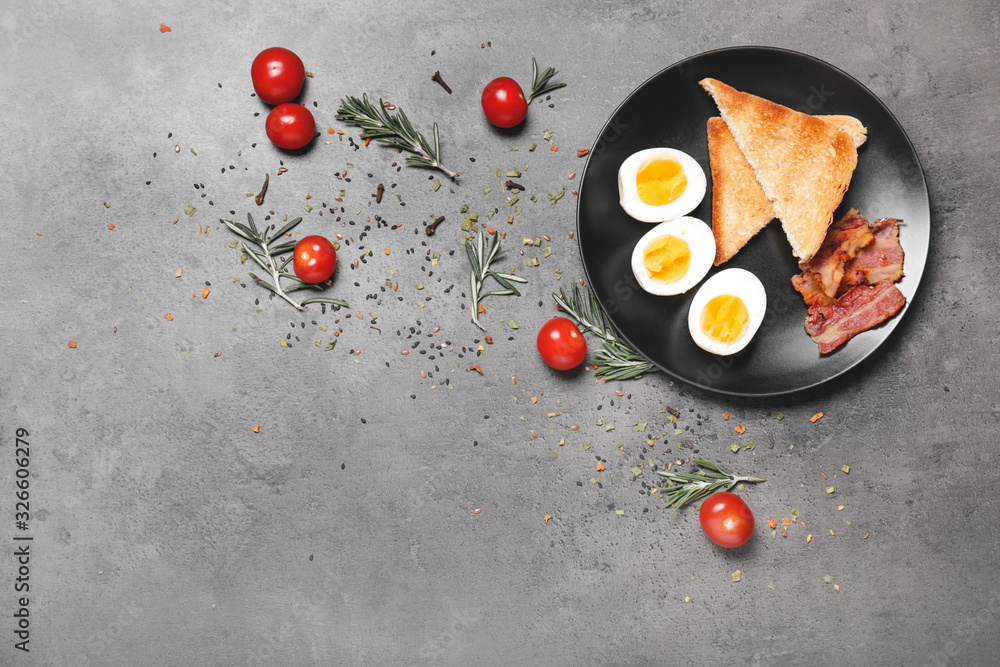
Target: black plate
(671, 109)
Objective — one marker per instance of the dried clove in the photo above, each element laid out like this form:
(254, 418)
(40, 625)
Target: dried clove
(437, 77)
(429, 229)
(263, 191)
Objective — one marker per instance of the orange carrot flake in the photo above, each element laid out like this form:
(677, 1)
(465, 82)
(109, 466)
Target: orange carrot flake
(169, 317)
(256, 428)
(600, 466)
(554, 147)
(330, 130)
(387, 250)
(164, 27)
(740, 430)
(547, 517)
(72, 344)
(725, 415)
(816, 417)
(111, 226)
(772, 523)
(205, 292)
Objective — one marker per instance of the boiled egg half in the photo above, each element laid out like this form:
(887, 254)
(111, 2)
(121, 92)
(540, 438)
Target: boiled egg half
(727, 311)
(674, 256)
(660, 184)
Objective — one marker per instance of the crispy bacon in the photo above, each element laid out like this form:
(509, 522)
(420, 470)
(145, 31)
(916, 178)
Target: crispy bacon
(860, 309)
(881, 260)
(809, 286)
(843, 240)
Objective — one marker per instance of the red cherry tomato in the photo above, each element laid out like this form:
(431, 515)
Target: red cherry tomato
(277, 75)
(315, 259)
(561, 344)
(290, 126)
(504, 103)
(726, 519)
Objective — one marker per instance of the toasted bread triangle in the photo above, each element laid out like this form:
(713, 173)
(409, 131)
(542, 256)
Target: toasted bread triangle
(740, 208)
(803, 164)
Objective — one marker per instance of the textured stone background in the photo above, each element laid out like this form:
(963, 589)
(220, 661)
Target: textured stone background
(344, 532)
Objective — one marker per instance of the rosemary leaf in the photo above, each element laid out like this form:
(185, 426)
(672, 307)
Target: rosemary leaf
(480, 259)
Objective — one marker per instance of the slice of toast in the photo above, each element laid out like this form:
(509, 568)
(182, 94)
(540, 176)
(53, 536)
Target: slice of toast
(740, 208)
(804, 164)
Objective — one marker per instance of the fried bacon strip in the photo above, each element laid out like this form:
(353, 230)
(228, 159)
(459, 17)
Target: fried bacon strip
(821, 276)
(881, 260)
(860, 309)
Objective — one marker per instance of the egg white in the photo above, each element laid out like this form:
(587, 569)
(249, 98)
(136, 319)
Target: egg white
(739, 283)
(699, 238)
(628, 193)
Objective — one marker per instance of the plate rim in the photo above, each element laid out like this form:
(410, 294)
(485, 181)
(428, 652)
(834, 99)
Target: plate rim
(926, 201)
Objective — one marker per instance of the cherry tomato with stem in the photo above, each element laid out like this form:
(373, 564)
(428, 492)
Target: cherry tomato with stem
(315, 259)
(561, 344)
(504, 103)
(277, 75)
(726, 519)
(290, 126)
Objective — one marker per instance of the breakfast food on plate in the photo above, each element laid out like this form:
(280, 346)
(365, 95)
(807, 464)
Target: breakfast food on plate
(659, 184)
(727, 311)
(803, 164)
(848, 285)
(740, 208)
(673, 256)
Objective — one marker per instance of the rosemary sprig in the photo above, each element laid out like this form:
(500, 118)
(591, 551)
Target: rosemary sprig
(540, 84)
(616, 359)
(392, 130)
(480, 258)
(689, 487)
(265, 258)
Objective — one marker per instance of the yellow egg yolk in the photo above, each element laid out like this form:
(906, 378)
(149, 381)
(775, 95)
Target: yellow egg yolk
(667, 258)
(724, 318)
(660, 180)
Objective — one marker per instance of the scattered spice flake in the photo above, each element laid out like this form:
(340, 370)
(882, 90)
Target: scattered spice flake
(827, 579)
(836, 587)
(736, 575)
(816, 417)
(840, 508)
(832, 533)
(164, 27)
(785, 522)
(865, 537)
(740, 430)
(582, 152)
(309, 74)
(687, 598)
(547, 517)
(190, 210)
(256, 428)
(72, 344)
(177, 273)
(476, 368)
(600, 466)
(809, 538)
(771, 585)
(772, 523)
(847, 470)
(534, 399)
(830, 489)
(725, 415)
(169, 317)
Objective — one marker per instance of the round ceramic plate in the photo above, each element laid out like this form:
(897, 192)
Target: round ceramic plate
(671, 109)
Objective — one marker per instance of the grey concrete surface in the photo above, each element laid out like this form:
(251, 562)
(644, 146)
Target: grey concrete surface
(166, 532)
